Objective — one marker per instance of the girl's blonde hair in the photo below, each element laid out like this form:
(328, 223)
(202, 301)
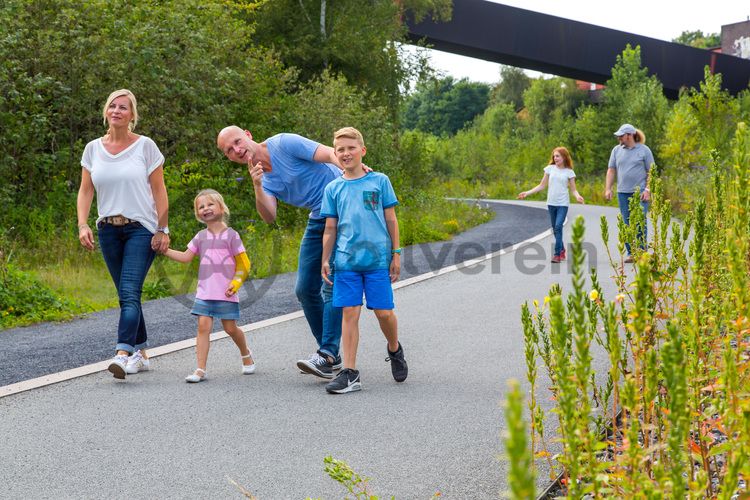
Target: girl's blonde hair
(567, 160)
(214, 196)
(133, 106)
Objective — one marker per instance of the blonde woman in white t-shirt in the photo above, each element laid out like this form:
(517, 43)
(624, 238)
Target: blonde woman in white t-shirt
(560, 177)
(126, 172)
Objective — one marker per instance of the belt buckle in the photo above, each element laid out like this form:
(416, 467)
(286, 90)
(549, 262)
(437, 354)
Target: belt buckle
(119, 220)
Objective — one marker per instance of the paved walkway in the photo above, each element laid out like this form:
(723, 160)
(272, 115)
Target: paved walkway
(42, 349)
(155, 436)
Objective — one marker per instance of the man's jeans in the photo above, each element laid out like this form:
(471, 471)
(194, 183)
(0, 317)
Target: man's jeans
(314, 294)
(623, 200)
(128, 255)
(557, 218)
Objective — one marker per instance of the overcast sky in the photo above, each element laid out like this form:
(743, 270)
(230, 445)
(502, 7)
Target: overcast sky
(660, 19)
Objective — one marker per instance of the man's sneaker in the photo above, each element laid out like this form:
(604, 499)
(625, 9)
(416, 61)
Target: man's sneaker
(337, 363)
(137, 363)
(316, 365)
(346, 381)
(399, 369)
(118, 364)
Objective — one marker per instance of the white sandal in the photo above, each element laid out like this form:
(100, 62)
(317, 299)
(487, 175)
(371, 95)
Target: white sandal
(195, 377)
(248, 369)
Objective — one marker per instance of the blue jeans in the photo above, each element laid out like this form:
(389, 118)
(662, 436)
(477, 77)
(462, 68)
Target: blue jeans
(623, 200)
(314, 294)
(128, 255)
(557, 216)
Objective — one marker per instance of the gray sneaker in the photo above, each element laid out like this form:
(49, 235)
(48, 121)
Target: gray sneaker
(316, 365)
(399, 368)
(337, 364)
(346, 381)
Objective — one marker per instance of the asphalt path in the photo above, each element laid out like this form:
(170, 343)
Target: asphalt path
(39, 350)
(155, 436)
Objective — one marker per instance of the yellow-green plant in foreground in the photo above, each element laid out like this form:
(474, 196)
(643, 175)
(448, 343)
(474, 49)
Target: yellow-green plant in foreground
(672, 416)
(521, 475)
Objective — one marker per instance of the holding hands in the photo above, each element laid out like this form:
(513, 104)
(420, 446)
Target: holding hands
(160, 242)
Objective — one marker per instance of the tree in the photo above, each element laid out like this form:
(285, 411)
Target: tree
(698, 40)
(630, 96)
(187, 61)
(444, 106)
(703, 120)
(550, 101)
(348, 37)
(513, 83)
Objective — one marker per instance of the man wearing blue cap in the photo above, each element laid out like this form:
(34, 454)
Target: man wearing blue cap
(630, 161)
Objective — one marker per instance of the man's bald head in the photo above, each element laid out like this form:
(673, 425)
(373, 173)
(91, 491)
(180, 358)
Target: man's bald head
(235, 143)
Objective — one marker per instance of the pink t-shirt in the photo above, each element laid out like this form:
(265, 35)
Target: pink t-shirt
(217, 263)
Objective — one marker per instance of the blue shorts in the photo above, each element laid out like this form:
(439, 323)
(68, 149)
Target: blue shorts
(348, 287)
(219, 309)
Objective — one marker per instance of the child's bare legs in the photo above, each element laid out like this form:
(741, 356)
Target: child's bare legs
(350, 335)
(234, 331)
(203, 340)
(389, 327)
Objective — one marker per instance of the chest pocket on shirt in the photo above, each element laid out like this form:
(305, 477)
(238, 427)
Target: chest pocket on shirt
(371, 200)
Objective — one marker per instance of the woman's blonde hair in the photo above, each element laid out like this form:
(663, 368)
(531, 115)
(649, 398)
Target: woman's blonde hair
(567, 160)
(639, 136)
(133, 106)
(214, 196)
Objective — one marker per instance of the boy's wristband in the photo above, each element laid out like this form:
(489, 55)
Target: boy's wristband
(396, 250)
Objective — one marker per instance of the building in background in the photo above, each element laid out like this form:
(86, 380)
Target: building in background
(735, 39)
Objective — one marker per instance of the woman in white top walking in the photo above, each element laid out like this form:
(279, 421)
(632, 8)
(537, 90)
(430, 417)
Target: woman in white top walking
(560, 177)
(125, 170)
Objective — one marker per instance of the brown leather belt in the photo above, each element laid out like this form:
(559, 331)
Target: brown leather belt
(116, 220)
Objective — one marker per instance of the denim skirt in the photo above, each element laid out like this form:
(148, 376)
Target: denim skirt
(219, 309)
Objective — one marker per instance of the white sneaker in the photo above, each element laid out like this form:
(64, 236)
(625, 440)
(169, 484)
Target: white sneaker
(137, 363)
(117, 365)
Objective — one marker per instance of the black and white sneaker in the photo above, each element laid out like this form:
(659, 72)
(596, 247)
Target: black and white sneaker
(316, 365)
(337, 364)
(346, 381)
(399, 369)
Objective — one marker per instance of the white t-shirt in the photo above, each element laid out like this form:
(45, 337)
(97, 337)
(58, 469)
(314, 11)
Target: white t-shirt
(557, 190)
(121, 180)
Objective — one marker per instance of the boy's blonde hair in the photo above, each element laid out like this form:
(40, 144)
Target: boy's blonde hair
(133, 106)
(214, 196)
(349, 133)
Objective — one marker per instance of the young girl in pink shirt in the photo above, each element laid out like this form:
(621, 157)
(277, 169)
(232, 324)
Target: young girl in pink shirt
(223, 268)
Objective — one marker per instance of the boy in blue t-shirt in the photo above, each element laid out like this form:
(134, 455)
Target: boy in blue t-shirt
(361, 221)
